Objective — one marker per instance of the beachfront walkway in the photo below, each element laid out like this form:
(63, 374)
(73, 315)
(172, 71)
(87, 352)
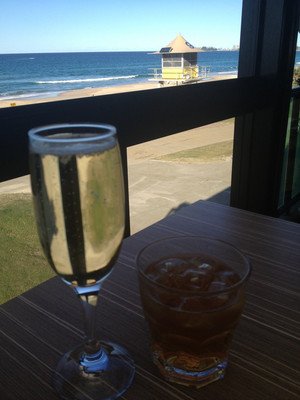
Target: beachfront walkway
(157, 187)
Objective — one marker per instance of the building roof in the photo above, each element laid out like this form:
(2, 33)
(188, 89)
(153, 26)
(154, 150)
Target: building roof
(179, 45)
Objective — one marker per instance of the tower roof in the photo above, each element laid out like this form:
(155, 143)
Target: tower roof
(179, 45)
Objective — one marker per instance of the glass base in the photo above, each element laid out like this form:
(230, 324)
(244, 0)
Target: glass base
(205, 371)
(106, 376)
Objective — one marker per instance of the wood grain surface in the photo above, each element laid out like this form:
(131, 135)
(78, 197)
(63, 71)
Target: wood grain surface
(39, 326)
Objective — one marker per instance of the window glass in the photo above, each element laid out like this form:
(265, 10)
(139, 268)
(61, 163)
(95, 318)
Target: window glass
(290, 180)
(57, 52)
(171, 60)
(190, 59)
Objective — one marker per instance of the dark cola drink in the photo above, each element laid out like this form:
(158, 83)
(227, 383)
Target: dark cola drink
(192, 303)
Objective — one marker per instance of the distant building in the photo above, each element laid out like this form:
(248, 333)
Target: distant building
(179, 63)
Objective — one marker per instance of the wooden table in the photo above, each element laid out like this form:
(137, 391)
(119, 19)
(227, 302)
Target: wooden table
(37, 327)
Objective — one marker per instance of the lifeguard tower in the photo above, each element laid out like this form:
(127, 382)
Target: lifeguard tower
(179, 63)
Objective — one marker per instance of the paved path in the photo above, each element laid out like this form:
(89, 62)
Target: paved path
(157, 188)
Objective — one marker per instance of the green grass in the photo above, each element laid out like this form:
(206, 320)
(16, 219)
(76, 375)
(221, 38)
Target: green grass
(22, 263)
(214, 152)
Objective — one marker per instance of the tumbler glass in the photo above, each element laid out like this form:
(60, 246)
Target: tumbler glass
(193, 291)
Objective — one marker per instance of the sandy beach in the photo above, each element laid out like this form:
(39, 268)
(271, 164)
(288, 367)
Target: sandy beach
(74, 94)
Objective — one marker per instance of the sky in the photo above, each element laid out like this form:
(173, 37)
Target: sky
(35, 26)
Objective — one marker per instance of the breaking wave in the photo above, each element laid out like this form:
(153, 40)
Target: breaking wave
(88, 79)
(27, 95)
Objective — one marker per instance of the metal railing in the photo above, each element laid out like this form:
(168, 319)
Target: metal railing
(182, 74)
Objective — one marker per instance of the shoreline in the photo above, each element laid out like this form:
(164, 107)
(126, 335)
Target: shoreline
(105, 90)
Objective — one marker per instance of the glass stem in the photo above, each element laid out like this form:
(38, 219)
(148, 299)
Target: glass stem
(88, 297)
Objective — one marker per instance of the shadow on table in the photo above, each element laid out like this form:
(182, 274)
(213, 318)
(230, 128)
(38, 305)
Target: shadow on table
(222, 197)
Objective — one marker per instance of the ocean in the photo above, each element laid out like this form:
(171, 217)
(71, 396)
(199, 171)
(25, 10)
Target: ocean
(25, 76)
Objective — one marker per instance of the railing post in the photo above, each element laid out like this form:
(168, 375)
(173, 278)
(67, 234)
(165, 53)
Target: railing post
(267, 52)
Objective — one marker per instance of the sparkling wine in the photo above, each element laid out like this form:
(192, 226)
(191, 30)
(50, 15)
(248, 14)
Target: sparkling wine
(79, 206)
(78, 193)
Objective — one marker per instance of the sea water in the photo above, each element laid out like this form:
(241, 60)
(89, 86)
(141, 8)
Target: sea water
(48, 74)
(24, 76)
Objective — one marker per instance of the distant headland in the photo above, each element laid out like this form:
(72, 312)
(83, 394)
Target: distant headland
(234, 48)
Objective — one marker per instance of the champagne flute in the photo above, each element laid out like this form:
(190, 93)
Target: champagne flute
(78, 195)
